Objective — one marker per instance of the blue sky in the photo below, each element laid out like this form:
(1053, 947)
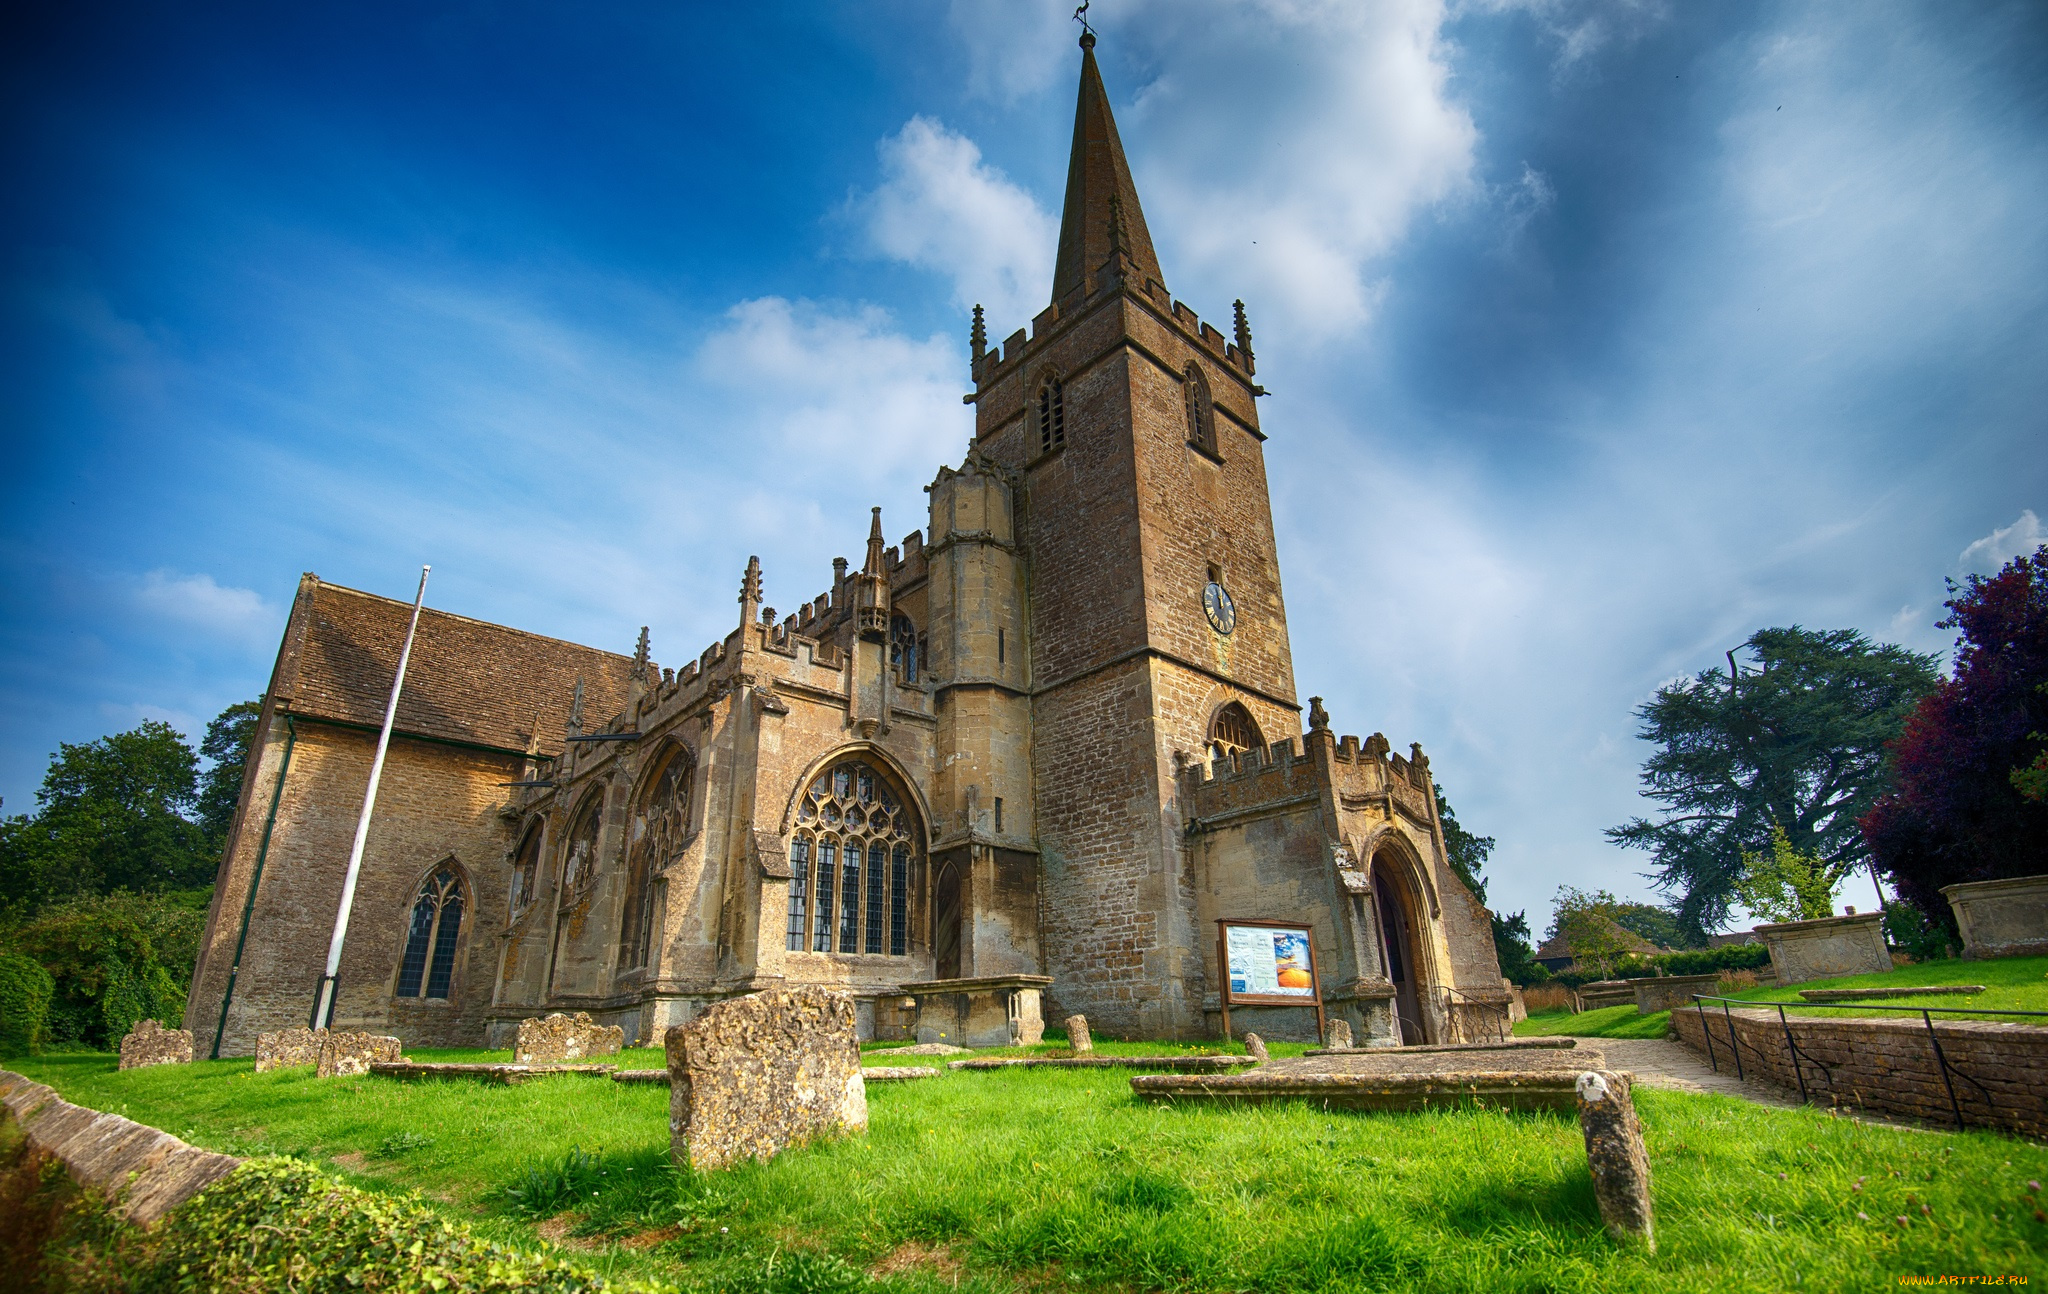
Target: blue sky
(1600, 334)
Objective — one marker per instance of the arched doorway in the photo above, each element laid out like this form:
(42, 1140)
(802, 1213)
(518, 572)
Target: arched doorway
(1401, 947)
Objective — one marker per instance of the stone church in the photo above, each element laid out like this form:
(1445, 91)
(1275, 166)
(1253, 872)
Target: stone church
(1035, 750)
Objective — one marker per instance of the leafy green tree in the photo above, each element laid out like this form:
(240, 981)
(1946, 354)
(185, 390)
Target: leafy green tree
(114, 959)
(111, 814)
(1660, 926)
(1786, 885)
(25, 992)
(1467, 854)
(1586, 921)
(1797, 737)
(226, 743)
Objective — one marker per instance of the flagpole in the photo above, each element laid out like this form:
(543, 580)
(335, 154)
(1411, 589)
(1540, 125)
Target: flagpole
(323, 999)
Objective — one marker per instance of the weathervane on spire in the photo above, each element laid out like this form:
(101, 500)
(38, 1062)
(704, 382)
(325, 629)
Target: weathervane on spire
(1081, 16)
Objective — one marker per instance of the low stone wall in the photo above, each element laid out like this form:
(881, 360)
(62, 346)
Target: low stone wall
(146, 1173)
(1999, 1071)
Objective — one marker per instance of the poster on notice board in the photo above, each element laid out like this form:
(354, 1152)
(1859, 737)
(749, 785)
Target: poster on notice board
(1269, 961)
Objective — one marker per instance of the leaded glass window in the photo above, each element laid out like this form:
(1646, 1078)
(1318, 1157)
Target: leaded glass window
(1231, 731)
(853, 863)
(428, 965)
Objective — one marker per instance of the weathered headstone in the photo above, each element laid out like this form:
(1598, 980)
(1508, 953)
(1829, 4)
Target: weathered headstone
(1340, 1034)
(757, 1075)
(344, 1054)
(1078, 1036)
(554, 1039)
(1615, 1154)
(1255, 1047)
(149, 1043)
(286, 1048)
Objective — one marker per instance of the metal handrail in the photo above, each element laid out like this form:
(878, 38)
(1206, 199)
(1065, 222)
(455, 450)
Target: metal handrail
(1926, 1013)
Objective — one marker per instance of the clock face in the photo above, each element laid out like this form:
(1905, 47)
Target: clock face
(1216, 603)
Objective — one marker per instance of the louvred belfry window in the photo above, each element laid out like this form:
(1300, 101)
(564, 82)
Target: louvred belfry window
(857, 853)
(1052, 414)
(428, 966)
(1201, 410)
(1231, 731)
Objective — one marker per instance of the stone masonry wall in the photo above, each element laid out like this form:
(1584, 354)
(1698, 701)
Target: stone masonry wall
(1999, 1071)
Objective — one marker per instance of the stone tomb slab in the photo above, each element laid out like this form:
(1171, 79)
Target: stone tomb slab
(1180, 1064)
(1515, 1078)
(897, 1073)
(508, 1075)
(1868, 994)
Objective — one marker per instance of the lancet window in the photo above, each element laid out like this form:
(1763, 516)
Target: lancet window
(857, 853)
(1231, 731)
(579, 862)
(653, 838)
(906, 647)
(526, 870)
(1052, 414)
(428, 965)
(1201, 410)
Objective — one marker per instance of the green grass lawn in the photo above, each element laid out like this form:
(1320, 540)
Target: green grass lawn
(2010, 984)
(1032, 1179)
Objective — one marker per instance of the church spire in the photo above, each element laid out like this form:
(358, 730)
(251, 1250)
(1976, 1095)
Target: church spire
(1100, 195)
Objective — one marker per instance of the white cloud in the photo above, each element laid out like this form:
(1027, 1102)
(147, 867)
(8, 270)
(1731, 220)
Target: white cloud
(2003, 544)
(1286, 146)
(939, 207)
(1014, 47)
(200, 602)
(838, 391)
(1582, 28)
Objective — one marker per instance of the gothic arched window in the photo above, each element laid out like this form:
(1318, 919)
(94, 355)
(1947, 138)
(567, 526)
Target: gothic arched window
(1201, 411)
(906, 646)
(526, 869)
(579, 861)
(1052, 414)
(854, 864)
(429, 961)
(654, 837)
(1233, 730)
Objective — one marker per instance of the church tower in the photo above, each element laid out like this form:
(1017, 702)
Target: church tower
(1154, 630)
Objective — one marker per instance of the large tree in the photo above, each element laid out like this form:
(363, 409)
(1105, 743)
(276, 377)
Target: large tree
(1956, 813)
(226, 744)
(1793, 738)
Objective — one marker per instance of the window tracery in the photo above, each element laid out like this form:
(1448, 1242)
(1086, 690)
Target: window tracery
(428, 965)
(853, 862)
(906, 646)
(1231, 731)
(655, 836)
(1201, 410)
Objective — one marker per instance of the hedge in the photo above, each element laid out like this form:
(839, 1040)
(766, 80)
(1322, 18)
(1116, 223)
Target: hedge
(25, 993)
(1699, 961)
(273, 1224)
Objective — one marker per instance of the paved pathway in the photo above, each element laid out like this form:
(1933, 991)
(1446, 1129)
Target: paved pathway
(1660, 1062)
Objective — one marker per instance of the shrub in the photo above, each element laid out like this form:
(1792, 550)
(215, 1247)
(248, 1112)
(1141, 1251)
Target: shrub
(1908, 929)
(115, 959)
(25, 991)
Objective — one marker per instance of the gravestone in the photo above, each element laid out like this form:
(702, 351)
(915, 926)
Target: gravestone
(753, 1076)
(1078, 1036)
(2007, 918)
(1827, 947)
(344, 1054)
(1255, 1047)
(557, 1038)
(1340, 1035)
(1671, 992)
(1616, 1156)
(149, 1043)
(288, 1048)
